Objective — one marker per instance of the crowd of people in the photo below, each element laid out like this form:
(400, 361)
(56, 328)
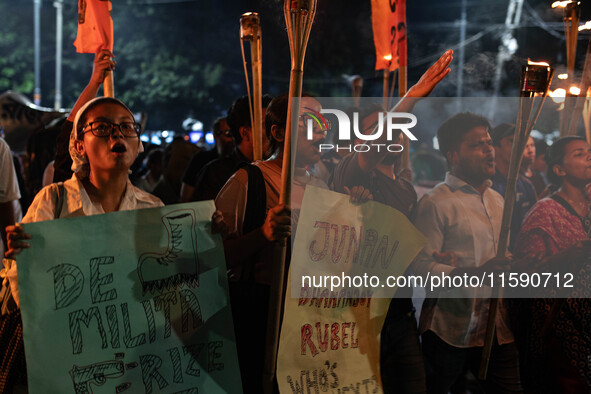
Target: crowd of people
(540, 345)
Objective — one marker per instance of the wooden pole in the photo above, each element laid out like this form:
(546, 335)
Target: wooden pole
(534, 79)
(587, 119)
(385, 91)
(257, 98)
(402, 81)
(250, 30)
(299, 16)
(108, 85)
(571, 19)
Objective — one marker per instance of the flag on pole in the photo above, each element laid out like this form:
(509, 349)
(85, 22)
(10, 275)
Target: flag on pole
(388, 19)
(95, 26)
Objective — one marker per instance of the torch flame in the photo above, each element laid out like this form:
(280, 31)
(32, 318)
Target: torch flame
(561, 4)
(388, 57)
(530, 63)
(558, 95)
(562, 76)
(586, 26)
(574, 90)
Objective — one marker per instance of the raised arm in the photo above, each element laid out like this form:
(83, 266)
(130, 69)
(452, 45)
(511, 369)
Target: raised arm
(423, 88)
(103, 62)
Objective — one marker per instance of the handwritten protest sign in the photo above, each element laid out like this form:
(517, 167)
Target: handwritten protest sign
(330, 337)
(132, 301)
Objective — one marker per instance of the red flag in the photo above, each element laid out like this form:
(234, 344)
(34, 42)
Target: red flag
(95, 26)
(389, 33)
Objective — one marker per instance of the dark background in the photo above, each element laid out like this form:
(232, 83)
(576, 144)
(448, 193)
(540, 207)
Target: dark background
(182, 58)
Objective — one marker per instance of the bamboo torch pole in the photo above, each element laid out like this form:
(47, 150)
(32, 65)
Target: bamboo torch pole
(571, 17)
(401, 38)
(250, 30)
(587, 118)
(401, 92)
(108, 85)
(385, 91)
(535, 79)
(299, 16)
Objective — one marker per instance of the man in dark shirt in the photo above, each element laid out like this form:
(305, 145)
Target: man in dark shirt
(502, 137)
(224, 145)
(214, 175)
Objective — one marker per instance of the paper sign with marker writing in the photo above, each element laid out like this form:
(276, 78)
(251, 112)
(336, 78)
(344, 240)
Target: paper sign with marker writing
(330, 335)
(128, 302)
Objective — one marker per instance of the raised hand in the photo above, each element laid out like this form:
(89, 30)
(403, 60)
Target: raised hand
(432, 76)
(103, 63)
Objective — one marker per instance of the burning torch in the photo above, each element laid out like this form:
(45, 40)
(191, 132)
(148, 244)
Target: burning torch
(535, 82)
(299, 16)
(250, 30)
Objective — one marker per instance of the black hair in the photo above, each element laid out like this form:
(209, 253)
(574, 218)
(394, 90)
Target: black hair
(541, 147)
(239, 115)
(276, 115)
(501, 131)
(82, 120)
(155, 156)
(217, 123)
(452, 131)
(555, 155)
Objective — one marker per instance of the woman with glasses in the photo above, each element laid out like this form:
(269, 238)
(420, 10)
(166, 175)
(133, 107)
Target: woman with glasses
(103, 145)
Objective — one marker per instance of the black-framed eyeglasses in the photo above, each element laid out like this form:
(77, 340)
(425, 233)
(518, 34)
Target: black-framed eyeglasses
(104, 128)
(226, 133)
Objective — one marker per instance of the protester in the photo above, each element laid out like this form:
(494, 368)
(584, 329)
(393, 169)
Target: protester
(329, 159)
(102, 64)
(462, 217)
(402, 367)
(554, 336)
(177, 156)
(539, 167)
(224, 145)
(249, 202)
(104, 143)
(10, 210)
(525, 195)
(214, 175)
(529, 156)
(155, 170)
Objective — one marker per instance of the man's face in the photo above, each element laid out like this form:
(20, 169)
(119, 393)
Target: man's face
(250, 139)
(224, 142)
(475, 157)
(368, 124)
(308, 151)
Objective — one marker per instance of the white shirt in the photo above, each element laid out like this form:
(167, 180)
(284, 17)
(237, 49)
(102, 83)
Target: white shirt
(9, 191)
(75, 203)
(8, 182)
(456, 217)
